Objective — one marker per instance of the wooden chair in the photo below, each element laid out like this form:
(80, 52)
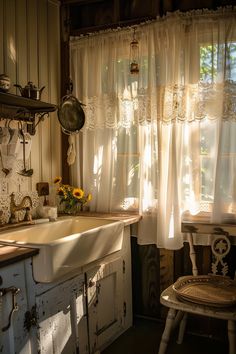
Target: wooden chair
(212, 296)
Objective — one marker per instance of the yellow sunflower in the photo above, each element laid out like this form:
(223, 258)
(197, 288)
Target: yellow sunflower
(78, 193)
(57, 180)
(89, 197)
(61, 191)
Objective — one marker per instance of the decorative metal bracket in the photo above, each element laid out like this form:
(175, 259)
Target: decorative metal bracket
(14, 291)
(24, 109)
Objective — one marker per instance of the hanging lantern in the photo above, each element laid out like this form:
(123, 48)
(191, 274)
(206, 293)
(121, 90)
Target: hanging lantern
(134, 55)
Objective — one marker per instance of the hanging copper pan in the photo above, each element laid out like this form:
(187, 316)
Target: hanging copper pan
(70, 114)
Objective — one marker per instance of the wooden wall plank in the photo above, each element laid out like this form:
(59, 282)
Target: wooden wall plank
(10, 40)
(43, 45)
(2, 66)
(32, 75)
(10, 56)
(146, 279)
(21, 43)
(54, 79)
(32, 40)
(65, 73)
(21, 60)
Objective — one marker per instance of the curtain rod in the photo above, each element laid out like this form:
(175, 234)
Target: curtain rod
(129, 24)
(118, 25)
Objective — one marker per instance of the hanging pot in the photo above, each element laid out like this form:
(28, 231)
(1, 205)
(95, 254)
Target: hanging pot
(70, 114)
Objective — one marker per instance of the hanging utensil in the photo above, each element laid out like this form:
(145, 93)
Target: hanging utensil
(71, 153)
(4, 139)
(4, 169)
(24, 172)
(70, 114)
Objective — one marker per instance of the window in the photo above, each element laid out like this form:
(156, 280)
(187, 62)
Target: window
(210, 60)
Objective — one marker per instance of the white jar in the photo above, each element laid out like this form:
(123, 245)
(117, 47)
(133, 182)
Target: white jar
(47, 212)
(5, 83)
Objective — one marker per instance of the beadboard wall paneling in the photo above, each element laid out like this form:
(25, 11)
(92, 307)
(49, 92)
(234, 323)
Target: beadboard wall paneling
(1, 35)
(55, 86)
(30, 51)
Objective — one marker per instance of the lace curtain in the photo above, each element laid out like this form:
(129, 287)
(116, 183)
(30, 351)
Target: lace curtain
(161, 142)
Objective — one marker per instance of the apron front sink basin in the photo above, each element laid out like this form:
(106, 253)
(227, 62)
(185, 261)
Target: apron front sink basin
(67, 243)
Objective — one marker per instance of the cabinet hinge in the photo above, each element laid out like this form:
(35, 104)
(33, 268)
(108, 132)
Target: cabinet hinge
(123, 266)
(31, 318)
(124, 309)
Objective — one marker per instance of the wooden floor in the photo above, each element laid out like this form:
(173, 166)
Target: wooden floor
(144, 338)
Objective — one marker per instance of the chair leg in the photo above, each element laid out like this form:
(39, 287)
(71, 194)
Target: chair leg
(232, 336)
(166, 334)
(178, 318)
(182, 327)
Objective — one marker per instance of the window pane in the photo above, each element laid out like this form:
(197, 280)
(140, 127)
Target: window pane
(218, 61)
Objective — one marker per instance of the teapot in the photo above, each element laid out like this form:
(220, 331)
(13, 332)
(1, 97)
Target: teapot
(30, 91)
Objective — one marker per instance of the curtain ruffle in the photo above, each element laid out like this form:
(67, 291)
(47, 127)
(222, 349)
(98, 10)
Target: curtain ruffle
(168, 104)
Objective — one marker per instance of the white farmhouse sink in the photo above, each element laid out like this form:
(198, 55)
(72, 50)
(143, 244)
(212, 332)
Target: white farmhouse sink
(67, 243)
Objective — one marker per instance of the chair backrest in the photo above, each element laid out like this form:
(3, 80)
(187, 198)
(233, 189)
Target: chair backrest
(220, 246)
(215, 289)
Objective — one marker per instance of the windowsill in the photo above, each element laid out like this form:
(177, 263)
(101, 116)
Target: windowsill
(205, 217)
(201, 224)
(202, 216)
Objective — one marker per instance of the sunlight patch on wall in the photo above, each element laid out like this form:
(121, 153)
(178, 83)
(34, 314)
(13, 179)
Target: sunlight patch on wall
(12, 50)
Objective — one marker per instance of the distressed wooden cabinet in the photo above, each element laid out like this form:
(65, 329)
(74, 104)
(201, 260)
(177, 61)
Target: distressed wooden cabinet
(16, 338)
(82, 314)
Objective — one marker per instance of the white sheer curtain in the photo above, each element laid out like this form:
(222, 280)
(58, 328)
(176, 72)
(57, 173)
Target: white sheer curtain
(162, 142)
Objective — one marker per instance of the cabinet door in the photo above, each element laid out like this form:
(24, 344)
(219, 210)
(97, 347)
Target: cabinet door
(105, 303)
(16, 338)
(62, 324)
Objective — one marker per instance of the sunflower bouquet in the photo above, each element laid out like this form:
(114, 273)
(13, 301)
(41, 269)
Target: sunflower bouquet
(73, 198)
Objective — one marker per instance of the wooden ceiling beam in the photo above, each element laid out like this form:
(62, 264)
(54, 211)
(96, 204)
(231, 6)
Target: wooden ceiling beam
(79, 2)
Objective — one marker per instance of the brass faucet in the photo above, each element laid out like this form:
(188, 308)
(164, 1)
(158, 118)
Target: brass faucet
(22, 206)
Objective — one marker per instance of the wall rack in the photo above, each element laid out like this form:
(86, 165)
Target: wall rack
(24, 109)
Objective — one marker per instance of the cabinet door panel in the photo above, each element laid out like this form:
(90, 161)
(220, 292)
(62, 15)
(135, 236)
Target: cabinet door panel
(60, 311)
(105, 303)
(55, 330)
(106, 300)
(81, 324)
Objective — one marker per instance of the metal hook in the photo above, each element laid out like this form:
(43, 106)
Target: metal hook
(15, 307)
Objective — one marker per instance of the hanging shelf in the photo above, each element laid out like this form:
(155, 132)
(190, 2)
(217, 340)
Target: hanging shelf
(24, 109)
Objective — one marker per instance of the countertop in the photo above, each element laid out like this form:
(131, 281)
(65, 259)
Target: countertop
(11, 254)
